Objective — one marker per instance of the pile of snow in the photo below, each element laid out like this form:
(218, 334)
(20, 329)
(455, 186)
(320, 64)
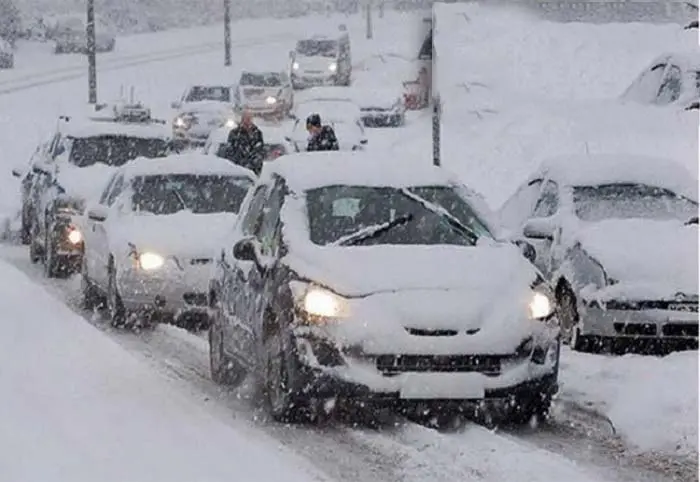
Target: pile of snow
(79, 407)
(652, 402)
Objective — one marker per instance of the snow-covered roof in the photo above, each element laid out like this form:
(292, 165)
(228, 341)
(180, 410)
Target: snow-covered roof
(591, 170)
(686, 60)
(206, 106)
(89, 128)
(360, 96)
(309, 170)
(329, 110)
(189, 163)
(329, 92)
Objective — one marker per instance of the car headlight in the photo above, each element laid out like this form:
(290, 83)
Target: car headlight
(230, 123)
(75, 236)
(150, 261)
(295, 65)
(540, 306)
(324, 303)
(271, 100)
(179, 122)
(333, 67)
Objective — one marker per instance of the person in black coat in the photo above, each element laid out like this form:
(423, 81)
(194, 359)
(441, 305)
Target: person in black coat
(322, 137)
(246, 146)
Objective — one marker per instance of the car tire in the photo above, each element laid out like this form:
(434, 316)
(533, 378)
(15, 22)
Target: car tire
(535, 406)
(35, 252)
(224, 370)
(569, 319)
(92, 299)
(118, 315)
(55, 266)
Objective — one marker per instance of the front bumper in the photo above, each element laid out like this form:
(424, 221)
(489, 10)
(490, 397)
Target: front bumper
(382, 119)
(305, 80)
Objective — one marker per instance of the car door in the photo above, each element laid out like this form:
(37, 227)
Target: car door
(235, 292)
(671, 86)
(545, 208)
(100, 234)
(90, 232)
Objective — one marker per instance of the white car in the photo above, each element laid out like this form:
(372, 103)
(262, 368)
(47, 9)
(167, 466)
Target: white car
(273, 137)
(618, 238)
(390, 290)
(671, 79)
(150, 240)
(200, 110)
(265, 94)
(343, 115)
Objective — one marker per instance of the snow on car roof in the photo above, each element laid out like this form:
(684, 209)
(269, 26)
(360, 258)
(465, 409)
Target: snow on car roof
(687, 60)
(330, 109)
(89, 128)
(190, 163)
(586, 170)
(304, 171)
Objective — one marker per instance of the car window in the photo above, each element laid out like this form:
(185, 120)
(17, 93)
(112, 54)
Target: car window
(519, 206)
(267, 232)
(647, 86)
(105, 193)
(670, 90)
(251, 219)
(548, 203)
(117, 189)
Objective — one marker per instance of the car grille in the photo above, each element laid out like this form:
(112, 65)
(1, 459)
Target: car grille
(683, 306)
(395, 364)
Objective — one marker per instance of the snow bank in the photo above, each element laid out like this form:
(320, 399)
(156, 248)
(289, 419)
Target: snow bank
(652, 402)
(76, 406)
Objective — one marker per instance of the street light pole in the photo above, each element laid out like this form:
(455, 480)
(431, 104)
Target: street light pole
(227, 32)
(369, 19)
(91, 53)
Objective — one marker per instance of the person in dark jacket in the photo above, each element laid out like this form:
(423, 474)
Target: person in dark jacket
(322, 137)
(246, 146)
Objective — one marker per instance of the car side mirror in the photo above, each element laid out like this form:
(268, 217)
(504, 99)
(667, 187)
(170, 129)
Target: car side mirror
(16, 173)
(527, 249)
(175, 105)
(288, 139)
(97, 213)
(363, 142)
(244, 250)
(539, 228)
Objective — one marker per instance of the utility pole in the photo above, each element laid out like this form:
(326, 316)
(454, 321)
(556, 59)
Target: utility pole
(91, 53)
(436, 130)
(227, 32)
(369, 19)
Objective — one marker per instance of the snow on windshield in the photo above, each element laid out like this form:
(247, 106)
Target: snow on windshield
(202, 93)
(267, 79)
(335, 212)
(317, 48)
(201, 194)
(114, 150)
(629, 201)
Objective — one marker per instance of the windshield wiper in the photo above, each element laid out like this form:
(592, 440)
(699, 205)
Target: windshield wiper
(452, 221)
(371, 231)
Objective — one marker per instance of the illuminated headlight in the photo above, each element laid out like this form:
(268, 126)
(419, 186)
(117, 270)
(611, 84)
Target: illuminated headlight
(540, 306)
(179, 122)
(324, 303)
(271, 100)
(230, 123)
(295, 65)
(75, 236)
(333, 67)
(150, 261)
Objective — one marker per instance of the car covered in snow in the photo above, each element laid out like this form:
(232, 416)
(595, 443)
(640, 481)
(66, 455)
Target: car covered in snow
(201, 109)
(321, 60)
(7, 54)
(265, 94)
(380, 286)
(672, 79)
(342, 114)
(69, 171)
(618, 238)
(70, 35)
(151, 237)
(275, 144)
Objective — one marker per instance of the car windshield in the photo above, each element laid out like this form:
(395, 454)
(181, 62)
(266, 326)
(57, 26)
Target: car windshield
(335, 212)
(270, 79)
(202, 93)
(629, 201)
(200, 193)
(114, 150)
(317, 48)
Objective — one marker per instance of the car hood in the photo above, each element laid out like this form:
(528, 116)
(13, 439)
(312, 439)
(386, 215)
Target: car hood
(645, 252)
(182, 235)
(211, 107)
(84, 183)
(319, 64)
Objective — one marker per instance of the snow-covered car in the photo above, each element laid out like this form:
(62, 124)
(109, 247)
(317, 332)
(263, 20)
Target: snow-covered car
(381, 107)
(321, 60)
(381, 287)
(7, 55)
(616, 236)
(343, 115)
(151, 237)
(69, 35)
(265, 94)
(671, 79)
(200, 110)
(70, 171)
(275, 144)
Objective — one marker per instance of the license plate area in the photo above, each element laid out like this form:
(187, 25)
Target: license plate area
(444, 386)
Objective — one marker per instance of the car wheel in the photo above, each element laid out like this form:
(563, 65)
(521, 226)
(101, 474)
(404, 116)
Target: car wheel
(115, 306)
(569, 319)
(34, 249)
(91, 297)
(224, 371)
(54, 265)
(532, 408)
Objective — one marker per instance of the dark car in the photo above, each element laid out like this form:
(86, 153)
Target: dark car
(382, 291)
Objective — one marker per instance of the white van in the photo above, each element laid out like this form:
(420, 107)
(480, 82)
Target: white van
(321, 61)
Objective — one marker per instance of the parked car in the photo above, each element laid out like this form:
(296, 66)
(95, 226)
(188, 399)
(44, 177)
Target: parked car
(343, 115)
(265, 94)
(381, 287)
(273, 137)
(322, 60)
(618, 238)
(151, 238)
(202, 109)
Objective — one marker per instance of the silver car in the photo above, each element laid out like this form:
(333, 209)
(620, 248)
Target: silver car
(202, 109)
(151, 238)
(618, 237)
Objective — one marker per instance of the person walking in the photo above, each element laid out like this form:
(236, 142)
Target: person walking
(246, 146)
(322, 137)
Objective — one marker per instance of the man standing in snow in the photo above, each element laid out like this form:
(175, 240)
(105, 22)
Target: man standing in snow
(245, 144)
(322, 137)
